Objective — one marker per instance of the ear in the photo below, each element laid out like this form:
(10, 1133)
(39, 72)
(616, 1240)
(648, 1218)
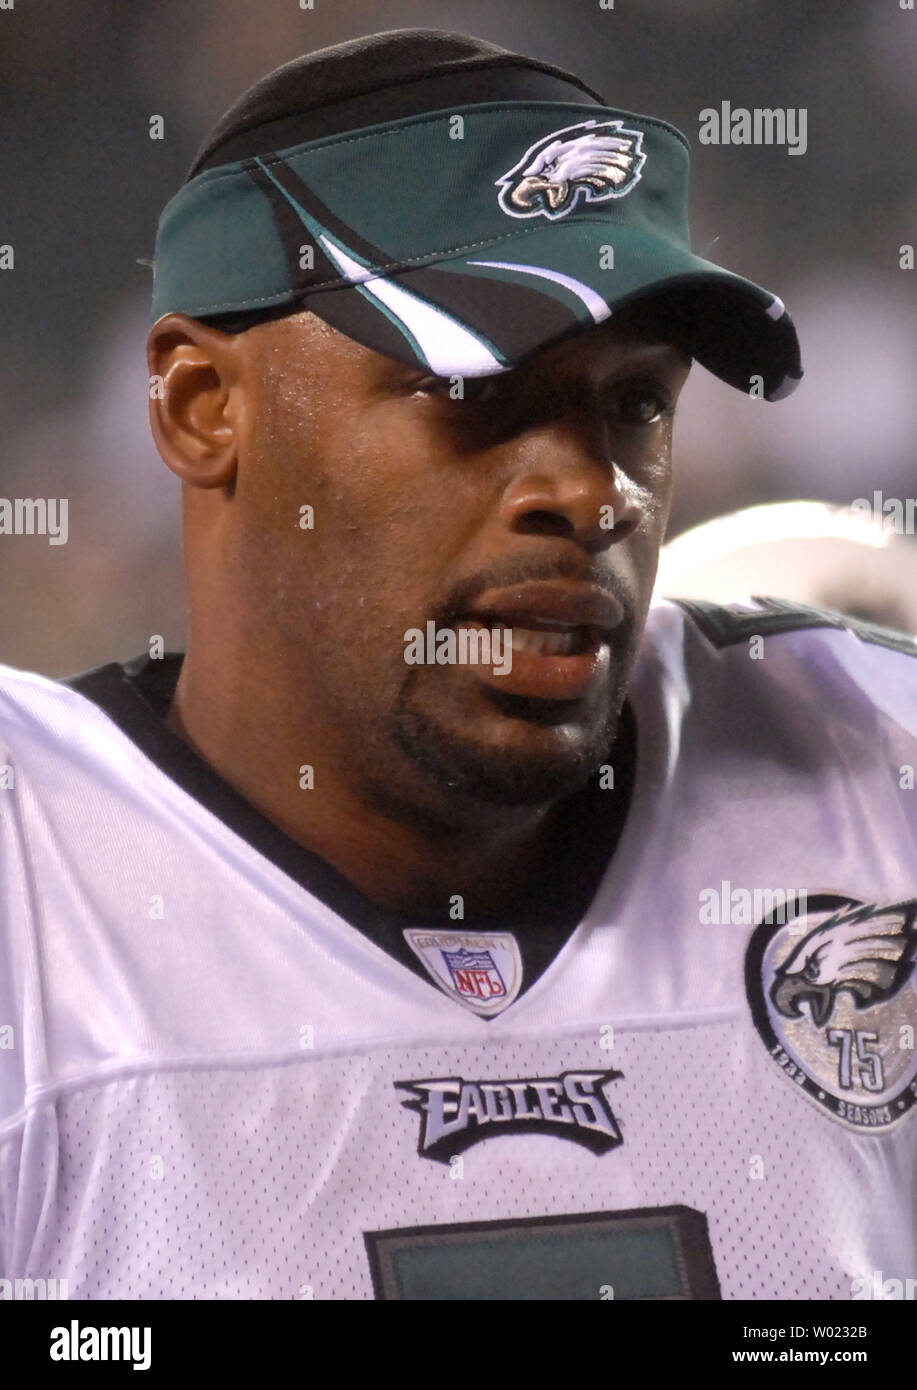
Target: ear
(197, 399)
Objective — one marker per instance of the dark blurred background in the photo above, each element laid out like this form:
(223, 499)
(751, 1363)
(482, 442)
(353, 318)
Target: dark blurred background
(82, 185)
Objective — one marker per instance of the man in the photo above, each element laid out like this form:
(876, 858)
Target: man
(352, 955)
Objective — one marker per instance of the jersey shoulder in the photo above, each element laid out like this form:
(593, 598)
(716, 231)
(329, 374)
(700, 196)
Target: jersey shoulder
(29, 700)
(726, 625)
(790, 652)
(41, 715)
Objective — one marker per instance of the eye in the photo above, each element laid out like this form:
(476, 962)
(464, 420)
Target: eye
(639, 403)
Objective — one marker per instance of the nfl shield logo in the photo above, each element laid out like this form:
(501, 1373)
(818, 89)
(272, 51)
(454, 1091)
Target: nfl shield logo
(482, 970)
(475, 974)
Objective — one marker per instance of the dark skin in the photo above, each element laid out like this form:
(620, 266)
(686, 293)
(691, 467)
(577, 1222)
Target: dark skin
(426, 783)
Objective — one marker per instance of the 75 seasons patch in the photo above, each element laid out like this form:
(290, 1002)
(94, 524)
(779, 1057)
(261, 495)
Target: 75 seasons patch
(833, 994)
(455, 1113)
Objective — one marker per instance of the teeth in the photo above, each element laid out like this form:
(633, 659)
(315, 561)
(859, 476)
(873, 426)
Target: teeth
(560, 640)
(542, 643)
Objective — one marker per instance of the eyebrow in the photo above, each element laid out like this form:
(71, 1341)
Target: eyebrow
(661, 354)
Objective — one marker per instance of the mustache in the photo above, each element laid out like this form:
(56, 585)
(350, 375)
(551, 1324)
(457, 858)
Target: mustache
(465, 594)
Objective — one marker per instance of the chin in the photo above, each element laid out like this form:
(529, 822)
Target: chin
(534, 752)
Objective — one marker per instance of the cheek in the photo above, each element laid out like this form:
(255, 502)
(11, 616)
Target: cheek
(646, 468)
(648, 473)
(392, 485)
(383, 525)
(662, 491)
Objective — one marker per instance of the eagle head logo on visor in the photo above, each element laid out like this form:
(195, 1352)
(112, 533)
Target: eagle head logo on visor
(588, 163)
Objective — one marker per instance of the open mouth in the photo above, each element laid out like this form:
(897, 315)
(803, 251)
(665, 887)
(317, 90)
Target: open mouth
(541, 637)
(549, 639)
(542, 659)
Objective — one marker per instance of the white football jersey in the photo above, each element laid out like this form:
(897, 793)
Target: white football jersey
(217, 1082)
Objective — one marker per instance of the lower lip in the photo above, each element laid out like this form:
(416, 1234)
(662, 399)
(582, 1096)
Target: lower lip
(543, 677)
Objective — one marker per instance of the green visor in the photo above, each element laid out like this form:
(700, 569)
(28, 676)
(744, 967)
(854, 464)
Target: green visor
(463, 241)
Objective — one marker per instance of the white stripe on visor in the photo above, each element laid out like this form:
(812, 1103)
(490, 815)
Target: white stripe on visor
(593, 302)
(450, 349)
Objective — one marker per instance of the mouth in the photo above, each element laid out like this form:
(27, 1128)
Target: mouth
(539, 637)
(559, 638)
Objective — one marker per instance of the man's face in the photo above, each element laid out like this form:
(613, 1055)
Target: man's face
(494, 510)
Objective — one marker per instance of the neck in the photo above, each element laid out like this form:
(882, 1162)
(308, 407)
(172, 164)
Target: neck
(496, 859)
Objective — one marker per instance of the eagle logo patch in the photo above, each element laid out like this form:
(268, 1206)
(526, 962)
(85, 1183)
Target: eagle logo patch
(833, 993)
(586, 163)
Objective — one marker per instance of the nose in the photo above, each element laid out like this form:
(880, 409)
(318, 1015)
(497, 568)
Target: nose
(568, 487)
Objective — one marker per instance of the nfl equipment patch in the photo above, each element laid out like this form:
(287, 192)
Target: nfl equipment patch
(833, 993)
(483, 971)
(586, 163)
